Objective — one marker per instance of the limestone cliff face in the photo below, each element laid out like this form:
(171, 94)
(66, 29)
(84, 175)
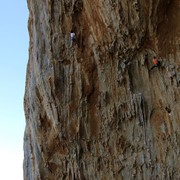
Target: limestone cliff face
(94, 109)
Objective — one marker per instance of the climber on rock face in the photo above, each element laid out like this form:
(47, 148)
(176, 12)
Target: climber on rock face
(168, 110)
(156, 63)
(72, 35)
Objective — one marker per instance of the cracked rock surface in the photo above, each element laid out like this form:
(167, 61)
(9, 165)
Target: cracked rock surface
(94, 109)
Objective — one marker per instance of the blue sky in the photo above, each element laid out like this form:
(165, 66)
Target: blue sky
(13, 60)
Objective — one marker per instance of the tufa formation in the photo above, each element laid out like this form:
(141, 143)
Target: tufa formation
(95, 108)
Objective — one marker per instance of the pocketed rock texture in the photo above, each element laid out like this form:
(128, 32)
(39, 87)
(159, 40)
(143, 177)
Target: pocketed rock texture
(94, 109)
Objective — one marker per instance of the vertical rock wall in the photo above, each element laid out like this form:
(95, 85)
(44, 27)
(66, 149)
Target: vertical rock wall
(94, 109)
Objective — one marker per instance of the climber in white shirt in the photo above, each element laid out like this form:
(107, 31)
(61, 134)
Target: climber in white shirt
(72, 35)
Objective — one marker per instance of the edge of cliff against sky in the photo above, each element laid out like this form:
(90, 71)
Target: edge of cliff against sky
(95, 108)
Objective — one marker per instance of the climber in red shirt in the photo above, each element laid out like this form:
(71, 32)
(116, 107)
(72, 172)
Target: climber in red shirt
(156, 63)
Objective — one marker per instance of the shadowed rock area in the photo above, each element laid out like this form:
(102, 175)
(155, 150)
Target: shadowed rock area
(94, 108)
